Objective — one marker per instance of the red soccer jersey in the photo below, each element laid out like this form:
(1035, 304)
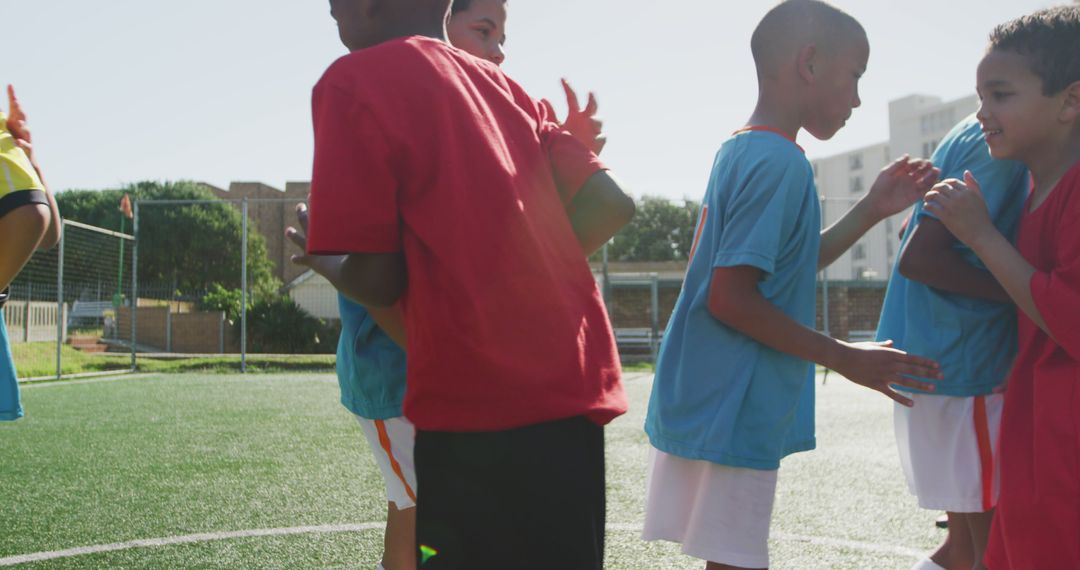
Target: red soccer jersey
(424, 149)
(1037, 524)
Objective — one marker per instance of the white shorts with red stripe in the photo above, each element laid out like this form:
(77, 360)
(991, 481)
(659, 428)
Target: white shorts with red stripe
(392, 442)
(948, 450)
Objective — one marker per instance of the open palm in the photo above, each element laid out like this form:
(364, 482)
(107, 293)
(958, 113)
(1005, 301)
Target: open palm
(901, 184)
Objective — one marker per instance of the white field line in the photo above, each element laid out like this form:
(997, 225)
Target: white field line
(113, 378)
(361, 527)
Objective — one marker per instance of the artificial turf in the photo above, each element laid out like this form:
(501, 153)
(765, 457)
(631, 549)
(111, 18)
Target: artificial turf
(172, 455)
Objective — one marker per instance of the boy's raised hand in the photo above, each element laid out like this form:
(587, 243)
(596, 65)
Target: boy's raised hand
(901, 184)
(961, 207)
(320, 263)
(16, 124)
(879, 366)
(582, 123)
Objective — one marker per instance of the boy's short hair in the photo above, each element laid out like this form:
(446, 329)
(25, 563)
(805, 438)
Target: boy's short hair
(1050, 40)
(794, 22)
(461, 6)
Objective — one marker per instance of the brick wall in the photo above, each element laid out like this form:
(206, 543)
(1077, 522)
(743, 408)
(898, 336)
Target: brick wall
(191, 333)
(151, 323)
(199, 333)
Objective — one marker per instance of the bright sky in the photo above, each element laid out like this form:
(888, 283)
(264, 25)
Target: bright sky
(218, 90)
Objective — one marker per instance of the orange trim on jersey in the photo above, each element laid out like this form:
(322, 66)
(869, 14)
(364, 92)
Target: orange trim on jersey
(986, 455)
(765, 129)
(384, 440)
(700, 227)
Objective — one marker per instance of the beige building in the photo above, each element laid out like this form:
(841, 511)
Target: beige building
(917, 124)
(271, 210)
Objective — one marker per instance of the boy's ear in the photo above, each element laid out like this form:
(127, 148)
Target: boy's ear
(1070, 106)
(808, 57)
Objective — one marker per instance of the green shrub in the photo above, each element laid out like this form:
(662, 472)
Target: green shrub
(280, 326)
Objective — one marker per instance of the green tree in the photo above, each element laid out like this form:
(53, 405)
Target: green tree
(661, 230)
(191, 247)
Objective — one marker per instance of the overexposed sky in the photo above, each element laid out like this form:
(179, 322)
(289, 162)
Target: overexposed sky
(218, 90)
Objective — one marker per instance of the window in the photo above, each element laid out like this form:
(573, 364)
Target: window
(856, 184)
(855, 162)
(857, 272)
(858, 253)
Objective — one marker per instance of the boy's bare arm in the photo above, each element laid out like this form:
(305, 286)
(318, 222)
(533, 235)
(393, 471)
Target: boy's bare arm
(735, 300)
(599, 210)
(960, 206)
(931, 258)
(896, 188)
(389, 318)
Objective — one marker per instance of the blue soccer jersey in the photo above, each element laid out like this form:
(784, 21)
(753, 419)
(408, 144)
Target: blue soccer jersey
(974, 340)
(719, 395)
(370, 366)
(10, 407)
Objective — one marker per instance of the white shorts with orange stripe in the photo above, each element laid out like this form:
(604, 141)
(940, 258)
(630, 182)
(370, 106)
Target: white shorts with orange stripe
(392, 442)
(948, 450)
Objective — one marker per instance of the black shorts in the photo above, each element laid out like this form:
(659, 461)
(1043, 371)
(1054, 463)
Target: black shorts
(20, 198)
(523, 499)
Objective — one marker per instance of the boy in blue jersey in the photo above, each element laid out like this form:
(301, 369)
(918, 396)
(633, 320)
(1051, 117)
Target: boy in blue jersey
(944, 304)
(734, 388)
(29, 221)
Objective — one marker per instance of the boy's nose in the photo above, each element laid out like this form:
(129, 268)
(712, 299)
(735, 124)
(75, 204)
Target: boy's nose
(497, 55)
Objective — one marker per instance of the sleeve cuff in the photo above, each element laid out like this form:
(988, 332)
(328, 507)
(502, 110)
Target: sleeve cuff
(734, 259)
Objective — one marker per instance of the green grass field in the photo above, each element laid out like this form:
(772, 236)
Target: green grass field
(38, 359)
(166, 456)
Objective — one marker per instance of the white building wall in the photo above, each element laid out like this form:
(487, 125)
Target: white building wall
(316, 296)
(917, 124)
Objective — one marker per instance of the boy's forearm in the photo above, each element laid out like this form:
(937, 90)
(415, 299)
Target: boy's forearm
(949, 271)
(599, 210)
(754, 316)
(390, 319)
(931, 257)
(375, 280)
(839, 237)
(1011, 270)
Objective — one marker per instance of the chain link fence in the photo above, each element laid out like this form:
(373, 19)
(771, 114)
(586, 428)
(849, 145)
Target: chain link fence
(232, 298)
(62, 313)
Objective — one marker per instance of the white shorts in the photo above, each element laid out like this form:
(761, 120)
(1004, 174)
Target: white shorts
(392, 442)
(718, 513)
(949, 450)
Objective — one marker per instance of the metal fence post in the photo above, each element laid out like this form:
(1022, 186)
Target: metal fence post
(243, 286)
(654, 293)
(134, 304)
(60, 303)
(825, 277)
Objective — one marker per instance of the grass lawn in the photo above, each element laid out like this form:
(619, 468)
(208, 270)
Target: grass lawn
(104, 462)
(38, 359)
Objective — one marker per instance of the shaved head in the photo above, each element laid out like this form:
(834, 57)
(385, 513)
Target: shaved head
(795, 24)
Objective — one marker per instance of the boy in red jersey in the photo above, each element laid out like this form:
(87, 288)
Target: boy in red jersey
(1029, 83)
(433, 168)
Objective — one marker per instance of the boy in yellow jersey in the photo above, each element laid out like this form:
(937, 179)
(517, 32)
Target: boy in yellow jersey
(29, 220)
